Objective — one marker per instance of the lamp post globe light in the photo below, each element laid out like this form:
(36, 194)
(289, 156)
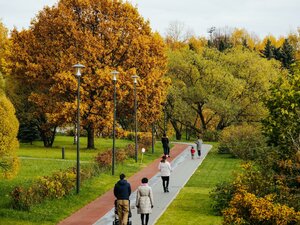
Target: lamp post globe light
(135, 77)
(114, 79)
(78, 68)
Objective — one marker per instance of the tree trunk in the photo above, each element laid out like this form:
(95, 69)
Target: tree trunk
(221, 125)
(200, 113)
(48, 136)
(178, 135)
(177, 129)
(90, 137)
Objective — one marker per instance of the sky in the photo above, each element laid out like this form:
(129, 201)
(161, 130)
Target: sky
(261, 17)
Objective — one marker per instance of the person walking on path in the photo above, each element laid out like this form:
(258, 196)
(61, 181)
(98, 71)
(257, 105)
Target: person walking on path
(165, 172)
(122, 191)
(144, 201)
(199, 143)
(193, 152)
(165, 143)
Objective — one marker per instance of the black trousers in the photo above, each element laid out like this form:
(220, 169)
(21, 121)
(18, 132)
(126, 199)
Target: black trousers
(166, 150)
(165, 182)
(199, 152)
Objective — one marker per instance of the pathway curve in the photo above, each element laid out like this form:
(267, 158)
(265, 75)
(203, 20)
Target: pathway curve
(101, 211)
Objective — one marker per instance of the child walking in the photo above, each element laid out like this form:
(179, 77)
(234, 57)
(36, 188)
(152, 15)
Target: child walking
(193, 152)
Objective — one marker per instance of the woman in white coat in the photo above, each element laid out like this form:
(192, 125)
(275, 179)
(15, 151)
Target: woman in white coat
(144, 201)
(165, 172)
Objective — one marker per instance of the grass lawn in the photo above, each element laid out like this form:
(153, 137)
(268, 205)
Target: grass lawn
(37, 161)
(193, 205)
(37, 150)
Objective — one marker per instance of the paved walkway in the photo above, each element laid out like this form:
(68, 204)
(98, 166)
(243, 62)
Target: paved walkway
(101, 211)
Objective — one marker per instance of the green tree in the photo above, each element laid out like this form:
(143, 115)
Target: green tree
(268, 50)
(28, 132)
(178, 111)
(282, 126)
(275, 176)
(287, 54)
(223, 88)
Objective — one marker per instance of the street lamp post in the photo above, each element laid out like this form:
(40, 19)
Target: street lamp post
(165, 119)
(114, 79)
(135, 117)
(78, 67)
(153, 138)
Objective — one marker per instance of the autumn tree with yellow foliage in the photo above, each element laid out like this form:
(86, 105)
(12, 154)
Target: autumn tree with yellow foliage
(8, 122)
(8, 137)
(103, 35)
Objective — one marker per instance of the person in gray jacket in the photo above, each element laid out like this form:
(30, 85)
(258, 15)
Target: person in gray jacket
(165, 172)
(199, 143)
(144, 201)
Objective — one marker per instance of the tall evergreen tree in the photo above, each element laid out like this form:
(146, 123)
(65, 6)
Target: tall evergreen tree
(28, 132)
(276, 53)
(268, 50)
(287, 54)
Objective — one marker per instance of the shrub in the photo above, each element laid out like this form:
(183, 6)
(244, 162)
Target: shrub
(104, 159)
(87, 171)
(130, 136)
(145, 139)
(243, 141)
(251, 179)
(107, 133)
(211, 135)
(221, 195)
(246, 208)
(120, 133)
(121, 155)
(20, 199)
(130, 150)
(47, 187)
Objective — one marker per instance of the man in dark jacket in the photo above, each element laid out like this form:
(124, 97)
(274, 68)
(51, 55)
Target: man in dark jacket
(165, 144)
(122, 191)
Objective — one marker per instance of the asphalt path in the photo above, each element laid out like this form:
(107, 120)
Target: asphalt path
(183, 167)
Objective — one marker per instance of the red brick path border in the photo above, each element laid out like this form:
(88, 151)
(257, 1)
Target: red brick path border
(92, 212)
